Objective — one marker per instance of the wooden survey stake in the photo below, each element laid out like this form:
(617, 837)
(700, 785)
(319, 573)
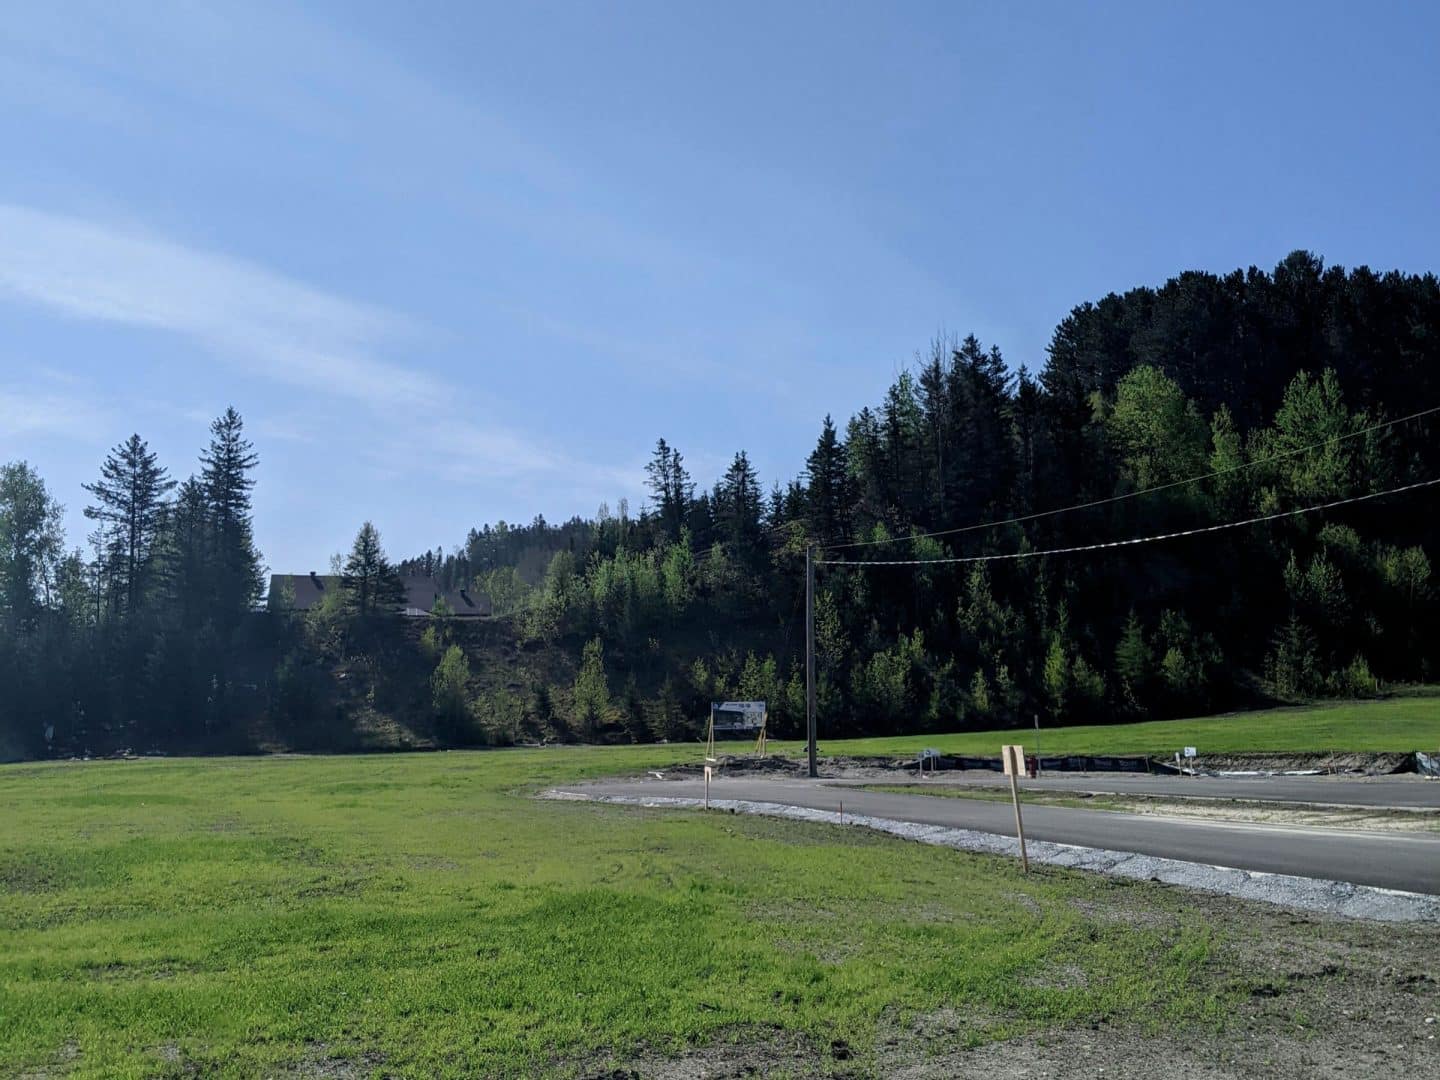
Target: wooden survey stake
(707, 787)
(1014, 759)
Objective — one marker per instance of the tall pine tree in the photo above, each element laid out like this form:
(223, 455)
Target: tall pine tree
(225, 477)
(130, 507)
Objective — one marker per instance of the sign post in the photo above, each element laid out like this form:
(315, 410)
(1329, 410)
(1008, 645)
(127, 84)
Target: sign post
(737, 718)
(1014, 759)
(707, 787)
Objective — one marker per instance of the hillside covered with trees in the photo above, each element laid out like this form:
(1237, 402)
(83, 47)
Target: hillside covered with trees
(1281, 391)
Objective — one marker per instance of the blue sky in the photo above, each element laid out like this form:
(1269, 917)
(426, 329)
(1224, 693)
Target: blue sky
(456, 263)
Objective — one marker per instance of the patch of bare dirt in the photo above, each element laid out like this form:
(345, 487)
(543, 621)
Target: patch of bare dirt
(1338, 761)
(752, 1054)
(1321, 997)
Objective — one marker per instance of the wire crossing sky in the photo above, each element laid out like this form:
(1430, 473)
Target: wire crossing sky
(1134, 540)
(1242, 467)
(466, 262)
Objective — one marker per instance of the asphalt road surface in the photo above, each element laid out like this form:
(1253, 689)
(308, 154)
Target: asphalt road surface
(1404, 860)
(1405, 792)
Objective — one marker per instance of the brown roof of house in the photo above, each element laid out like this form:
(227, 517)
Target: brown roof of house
(420, 594)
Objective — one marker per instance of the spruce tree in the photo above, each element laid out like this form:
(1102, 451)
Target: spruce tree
(226, 466)
(670, 488)
(130, 509)
(739, 503)
(828, 487)
(369, 580)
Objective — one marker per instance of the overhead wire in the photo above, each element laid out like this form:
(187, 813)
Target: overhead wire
(1142, 491)
(1131, 541)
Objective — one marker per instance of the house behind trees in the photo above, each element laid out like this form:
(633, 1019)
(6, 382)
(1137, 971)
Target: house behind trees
(419, 593)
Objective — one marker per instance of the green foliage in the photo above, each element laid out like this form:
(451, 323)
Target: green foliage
(1293, 665)
(890, 684)
(369, 580)
(507, 590)
(31, 543)
(590, 707)
(1057, 674)
(1356, 680)
(980, 703)
(1407, 571)
(1134, 660)
(1088, 687)
(1227, 458)
(677, 576)
(1314, 464)
(1160, 433)
(450, 694)
(130, 508)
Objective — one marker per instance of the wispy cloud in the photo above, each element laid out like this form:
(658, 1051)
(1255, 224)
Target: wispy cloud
(263, 324)
(26, 413)
(268, 324)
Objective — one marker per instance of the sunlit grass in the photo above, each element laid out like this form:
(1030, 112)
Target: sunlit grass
(421, 915)
(1399, 724)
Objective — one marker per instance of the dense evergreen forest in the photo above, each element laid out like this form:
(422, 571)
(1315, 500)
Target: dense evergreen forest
(1279, 391)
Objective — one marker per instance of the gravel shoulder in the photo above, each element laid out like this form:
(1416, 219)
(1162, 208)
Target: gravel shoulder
(1209, 808)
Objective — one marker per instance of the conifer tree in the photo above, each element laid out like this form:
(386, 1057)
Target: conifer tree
(368, 579)
(226, 479)
(129, 505)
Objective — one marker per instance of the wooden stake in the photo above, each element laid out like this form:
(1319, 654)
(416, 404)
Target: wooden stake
(1019, 825)
(1013, 758)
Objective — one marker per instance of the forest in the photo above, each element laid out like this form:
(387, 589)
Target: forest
(1204, 401)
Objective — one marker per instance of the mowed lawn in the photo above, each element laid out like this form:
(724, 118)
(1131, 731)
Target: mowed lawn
(421, 915)
(1404, 723)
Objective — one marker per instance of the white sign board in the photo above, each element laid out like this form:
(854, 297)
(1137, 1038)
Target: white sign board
(1190, 751)
(737, 715)
(1014, 758)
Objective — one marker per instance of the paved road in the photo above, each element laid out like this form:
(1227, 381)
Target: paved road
(1409, 861)
(1408, 792)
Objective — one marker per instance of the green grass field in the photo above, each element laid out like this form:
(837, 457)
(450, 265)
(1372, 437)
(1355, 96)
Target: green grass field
(418, 915)
(1397, 724)
(422, 915)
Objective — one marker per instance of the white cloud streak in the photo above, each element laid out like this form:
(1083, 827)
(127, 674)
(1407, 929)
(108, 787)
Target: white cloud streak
(265, 325)
(26, 413)
(268, 324)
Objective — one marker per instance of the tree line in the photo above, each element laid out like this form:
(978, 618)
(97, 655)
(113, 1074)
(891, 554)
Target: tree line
(1276, 388)
(145, 636)
(1280, 389)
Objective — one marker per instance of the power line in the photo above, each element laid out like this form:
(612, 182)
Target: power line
(1132, 540)
(1143, 491)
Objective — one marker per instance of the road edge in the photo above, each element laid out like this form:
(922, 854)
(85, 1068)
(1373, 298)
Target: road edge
(1340, 898)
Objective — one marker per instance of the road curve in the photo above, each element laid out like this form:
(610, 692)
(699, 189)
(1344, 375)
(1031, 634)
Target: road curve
(1407, 793)
(1402, 860)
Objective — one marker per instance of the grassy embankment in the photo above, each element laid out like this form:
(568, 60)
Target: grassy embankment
(1410, 721)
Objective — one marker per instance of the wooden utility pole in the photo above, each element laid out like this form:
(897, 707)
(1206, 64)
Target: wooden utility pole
(810, 657)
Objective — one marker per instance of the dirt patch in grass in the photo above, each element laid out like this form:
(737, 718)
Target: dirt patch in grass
(1322, 997)
(742, 1054)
